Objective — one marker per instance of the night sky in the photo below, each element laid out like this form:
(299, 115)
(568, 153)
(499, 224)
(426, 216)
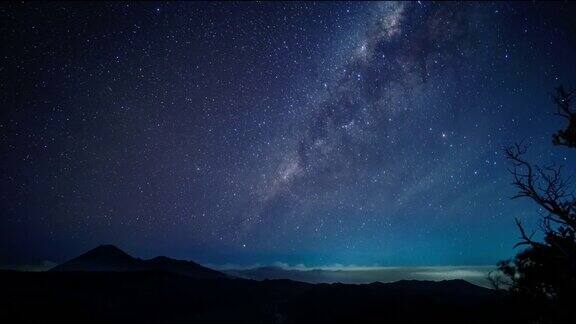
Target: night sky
(252, 133)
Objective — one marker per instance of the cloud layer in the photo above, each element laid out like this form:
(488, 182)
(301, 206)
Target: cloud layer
(361, 275)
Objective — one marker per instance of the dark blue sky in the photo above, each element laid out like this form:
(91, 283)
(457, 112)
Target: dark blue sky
(302, 133)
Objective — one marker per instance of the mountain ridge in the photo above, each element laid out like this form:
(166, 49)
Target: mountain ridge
(160, 296)
(110, 258)
(159, 289)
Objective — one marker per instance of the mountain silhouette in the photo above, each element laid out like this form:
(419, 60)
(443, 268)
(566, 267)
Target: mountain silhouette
(161, 296)
(111, 258)
(106, 285)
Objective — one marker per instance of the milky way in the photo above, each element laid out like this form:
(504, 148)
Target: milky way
(304, 133)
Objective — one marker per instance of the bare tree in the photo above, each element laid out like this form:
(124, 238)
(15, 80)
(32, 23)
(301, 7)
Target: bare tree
(563, 101)
(545, 271)
(550, 191)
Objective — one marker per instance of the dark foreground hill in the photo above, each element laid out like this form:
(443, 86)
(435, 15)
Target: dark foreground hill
(162, 297)
(106, 285)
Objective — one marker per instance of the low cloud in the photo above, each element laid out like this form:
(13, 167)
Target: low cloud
(42, 266)
(353, 274)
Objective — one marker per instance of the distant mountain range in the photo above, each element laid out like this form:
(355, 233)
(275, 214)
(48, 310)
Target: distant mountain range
(111, 258)
(477, 275)
(107, 285)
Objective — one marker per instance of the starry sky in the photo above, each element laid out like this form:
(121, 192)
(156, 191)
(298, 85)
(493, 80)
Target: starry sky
(367, 134)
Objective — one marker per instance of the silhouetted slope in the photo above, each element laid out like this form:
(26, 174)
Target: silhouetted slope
(160, 297)
(106, 285)
(111, 258)
(182, 267)
(102, 258)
